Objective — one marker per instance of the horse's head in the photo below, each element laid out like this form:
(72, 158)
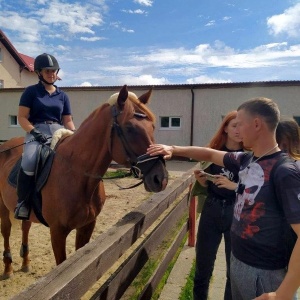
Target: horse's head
(132, 133)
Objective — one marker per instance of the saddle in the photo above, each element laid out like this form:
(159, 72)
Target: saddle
(43, 168)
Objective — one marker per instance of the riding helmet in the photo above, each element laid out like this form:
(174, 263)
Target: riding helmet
(45, 61)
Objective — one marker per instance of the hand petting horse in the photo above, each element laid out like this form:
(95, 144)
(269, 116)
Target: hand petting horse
(73, 195)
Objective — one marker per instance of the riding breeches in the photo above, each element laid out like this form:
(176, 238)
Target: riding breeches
(30, 149)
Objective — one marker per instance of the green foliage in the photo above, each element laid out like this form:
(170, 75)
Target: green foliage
(164, 279)
(116, 173)
(156, 257)
(187, 290)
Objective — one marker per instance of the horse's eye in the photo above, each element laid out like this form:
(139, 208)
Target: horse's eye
(140, 115)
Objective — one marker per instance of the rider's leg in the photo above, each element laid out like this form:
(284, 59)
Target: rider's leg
(25, 182)
(27, 171)
(24, 189)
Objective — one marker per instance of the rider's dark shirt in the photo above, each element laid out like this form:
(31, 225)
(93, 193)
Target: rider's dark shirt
(43, 106)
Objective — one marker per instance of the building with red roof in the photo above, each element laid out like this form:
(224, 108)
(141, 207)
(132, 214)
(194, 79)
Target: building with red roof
(16, 69)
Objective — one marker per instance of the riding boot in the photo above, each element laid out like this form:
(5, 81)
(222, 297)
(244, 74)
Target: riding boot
(25, 185)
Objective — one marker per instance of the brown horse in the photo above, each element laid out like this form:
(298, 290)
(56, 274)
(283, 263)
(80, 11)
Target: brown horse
(73, 196)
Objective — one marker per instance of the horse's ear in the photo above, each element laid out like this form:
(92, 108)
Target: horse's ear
(146, 97)
(123, 95)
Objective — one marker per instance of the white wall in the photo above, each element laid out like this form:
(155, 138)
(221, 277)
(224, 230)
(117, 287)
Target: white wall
(210, 104)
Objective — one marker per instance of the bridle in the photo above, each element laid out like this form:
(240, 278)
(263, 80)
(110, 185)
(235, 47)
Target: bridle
(141, 165)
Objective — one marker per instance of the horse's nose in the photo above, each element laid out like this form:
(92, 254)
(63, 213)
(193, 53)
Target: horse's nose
(156, 183)
(164, 183)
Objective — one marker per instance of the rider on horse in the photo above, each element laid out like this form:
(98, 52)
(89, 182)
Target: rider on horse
(43, 109)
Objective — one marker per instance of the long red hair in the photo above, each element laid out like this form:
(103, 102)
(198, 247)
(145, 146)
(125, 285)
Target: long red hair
(219, 139)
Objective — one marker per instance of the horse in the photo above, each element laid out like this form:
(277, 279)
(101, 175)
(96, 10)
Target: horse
(119, 130)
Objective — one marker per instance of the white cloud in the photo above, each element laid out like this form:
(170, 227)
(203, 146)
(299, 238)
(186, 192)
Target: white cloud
(220, 55)
(207, 79)
(86, 83)
(127, 30)
(28, 28)
(210, 23)
(75, 18)
(226, 18)
(136, 11)
(140, 80)
(287, 22)
(63, 48)
(144, 2)
(92, 39)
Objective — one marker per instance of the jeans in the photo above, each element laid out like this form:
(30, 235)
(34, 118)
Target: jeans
(215, 222)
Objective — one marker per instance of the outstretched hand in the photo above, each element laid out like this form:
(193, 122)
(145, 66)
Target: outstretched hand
(160, 149)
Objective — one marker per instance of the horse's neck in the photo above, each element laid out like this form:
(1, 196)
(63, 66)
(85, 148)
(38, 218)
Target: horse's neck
(88, 148)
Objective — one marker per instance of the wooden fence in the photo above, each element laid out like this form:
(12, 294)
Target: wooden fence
(74, 277)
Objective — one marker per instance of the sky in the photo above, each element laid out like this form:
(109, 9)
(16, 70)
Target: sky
(154, 42)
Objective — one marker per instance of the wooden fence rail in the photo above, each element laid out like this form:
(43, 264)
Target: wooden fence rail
(74, 277)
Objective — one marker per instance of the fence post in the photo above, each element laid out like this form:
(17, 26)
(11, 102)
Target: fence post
(192, 219)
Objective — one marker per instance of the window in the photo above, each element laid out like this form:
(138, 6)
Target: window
(170, 122)
(0, 54)
(13, 121)
(1, 84)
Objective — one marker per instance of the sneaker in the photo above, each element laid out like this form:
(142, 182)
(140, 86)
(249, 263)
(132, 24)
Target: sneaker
(22, 212)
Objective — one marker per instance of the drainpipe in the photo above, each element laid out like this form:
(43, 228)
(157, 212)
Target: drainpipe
(192, 117)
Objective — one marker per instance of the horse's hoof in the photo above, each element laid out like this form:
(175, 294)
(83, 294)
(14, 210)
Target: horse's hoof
(25, 269)
(7, 275)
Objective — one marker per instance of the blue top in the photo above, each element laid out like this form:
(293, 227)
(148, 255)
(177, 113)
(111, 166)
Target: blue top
(258, 226)
(43, 106)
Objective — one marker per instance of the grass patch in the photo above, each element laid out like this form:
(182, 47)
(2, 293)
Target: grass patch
(187, 290)
(140, 281)
(168, 271)
(117, 173)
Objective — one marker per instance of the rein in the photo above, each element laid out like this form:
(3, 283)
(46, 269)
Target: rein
(32, 140)
(139, 165)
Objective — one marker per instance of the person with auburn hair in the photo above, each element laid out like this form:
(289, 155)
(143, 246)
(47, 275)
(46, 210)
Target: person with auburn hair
(259, 267)
(217, 213)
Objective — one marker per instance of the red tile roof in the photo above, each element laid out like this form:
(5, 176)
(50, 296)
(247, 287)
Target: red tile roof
(25, 62)
(29, 61)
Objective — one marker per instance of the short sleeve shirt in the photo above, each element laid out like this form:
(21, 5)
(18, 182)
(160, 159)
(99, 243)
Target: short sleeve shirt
(257, 232)
(43, 106)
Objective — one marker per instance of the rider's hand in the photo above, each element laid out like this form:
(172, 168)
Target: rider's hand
(39, 136)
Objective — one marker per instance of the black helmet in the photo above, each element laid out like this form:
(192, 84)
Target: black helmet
(45, 61)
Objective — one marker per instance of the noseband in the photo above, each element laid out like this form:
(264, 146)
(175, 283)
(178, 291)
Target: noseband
(141, 165)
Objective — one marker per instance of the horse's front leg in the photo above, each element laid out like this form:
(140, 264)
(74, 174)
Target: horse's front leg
(58, 240)
(5, 231)
(84, 234)
(24, 251)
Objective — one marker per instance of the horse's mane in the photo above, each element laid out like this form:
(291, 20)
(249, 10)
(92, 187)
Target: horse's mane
(135, 100)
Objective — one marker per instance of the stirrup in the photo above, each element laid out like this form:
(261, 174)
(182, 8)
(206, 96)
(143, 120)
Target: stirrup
(22, 212)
